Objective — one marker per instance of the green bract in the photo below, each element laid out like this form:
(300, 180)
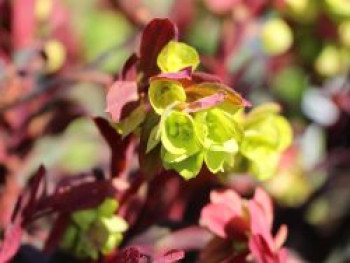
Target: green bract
(187, 167)
(94, 231)
(266, 135)
(178, 134)
(176, 56)
(220, 136)
(163, 93)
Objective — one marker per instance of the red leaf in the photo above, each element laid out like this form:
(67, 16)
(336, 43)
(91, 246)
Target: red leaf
(56, 233)
(120, 94)
(129, 69)
(11, 242)
(155, 36)
(121, 149)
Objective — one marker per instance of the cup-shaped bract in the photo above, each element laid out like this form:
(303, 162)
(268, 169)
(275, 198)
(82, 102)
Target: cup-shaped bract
(163, 93)
(176, 56)
(220, 136)
(178, 133)
(187, 167)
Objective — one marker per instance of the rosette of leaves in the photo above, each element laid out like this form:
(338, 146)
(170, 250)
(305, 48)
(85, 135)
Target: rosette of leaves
(266, 135)
(94, 231)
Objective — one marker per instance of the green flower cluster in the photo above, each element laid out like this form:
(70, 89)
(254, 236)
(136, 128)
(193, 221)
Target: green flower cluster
(94, 231)
(213, 135)
(266, 135)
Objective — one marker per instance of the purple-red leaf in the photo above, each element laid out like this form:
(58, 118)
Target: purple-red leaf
(184, 74)
(120, 94)
(129, 69)
(155, 36)
(121, 149)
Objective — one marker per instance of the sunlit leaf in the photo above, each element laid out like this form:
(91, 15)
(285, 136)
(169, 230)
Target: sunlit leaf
(176, 56)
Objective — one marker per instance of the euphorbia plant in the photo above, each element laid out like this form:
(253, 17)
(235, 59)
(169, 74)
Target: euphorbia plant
(188, 118)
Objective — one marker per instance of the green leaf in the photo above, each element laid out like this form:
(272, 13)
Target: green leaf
(114, 224)
(84, 218)
(285, 133)
(215, 160)
(69, 237)
(216, 128)
(176, 56)
(108, 207)
(178, 134)
(112, 242)
(154, 138)
(130, 123)
(188, 168)
(150, 162)
(163, 93)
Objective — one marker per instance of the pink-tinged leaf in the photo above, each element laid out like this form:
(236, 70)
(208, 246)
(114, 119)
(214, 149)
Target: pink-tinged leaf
(223, 208)
(261, 251)
(155, 36)
(189, 238)
(205, 89)
(215, 217)
(184, 74)
(206, 102)
(23, 23)
(259, 224)
(265, 202)
(129, 69)
(11, 242)
(121, 149)
(281, 236)
(170, 256)
(119, 95)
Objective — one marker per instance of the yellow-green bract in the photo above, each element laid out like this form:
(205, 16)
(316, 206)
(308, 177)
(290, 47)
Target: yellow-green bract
(94, 231)
(266, 135)
(176, 56)
(163, 93)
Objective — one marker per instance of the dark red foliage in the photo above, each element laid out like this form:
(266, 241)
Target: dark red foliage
(121, 149)
(154, 37)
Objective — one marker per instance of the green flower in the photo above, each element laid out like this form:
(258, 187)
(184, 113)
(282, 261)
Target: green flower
(266, 135)
(178, 134)
(188, 167)
(163, 93)
(176, 56)
(94, 231)
(220, 136)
